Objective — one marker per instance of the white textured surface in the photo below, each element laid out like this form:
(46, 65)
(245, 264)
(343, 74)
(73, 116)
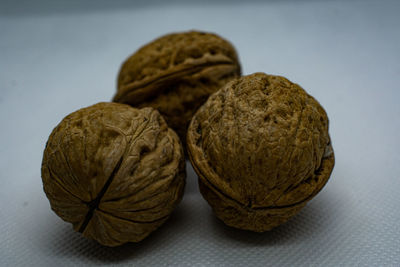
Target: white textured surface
(58, 57)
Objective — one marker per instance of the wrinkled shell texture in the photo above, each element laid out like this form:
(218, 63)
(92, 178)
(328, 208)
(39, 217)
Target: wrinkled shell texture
(114, 172)
(176, 73)
(261, 148)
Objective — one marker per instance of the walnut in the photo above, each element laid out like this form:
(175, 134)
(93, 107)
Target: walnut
(114, 172)
(176, 73)
(261, 148)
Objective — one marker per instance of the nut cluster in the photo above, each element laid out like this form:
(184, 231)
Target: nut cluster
(259, 144)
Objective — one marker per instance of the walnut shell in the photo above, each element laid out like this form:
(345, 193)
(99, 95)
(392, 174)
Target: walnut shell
(261, 148)
(176, 73)
(114, 172)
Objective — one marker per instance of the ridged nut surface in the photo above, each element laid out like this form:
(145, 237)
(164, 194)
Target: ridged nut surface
(115, 172)
(261, 148)
(176, 73)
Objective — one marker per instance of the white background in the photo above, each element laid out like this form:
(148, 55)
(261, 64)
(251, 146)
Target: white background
(56, 57)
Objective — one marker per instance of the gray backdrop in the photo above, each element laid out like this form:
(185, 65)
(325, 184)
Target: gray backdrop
(58, 56)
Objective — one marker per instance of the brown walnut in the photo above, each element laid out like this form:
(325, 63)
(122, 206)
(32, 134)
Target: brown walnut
(176, 73)
(114, 172)
(261, 148)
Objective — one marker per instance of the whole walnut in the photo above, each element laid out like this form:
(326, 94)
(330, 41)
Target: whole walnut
(261, 148)
(114, 172)
(176, 73)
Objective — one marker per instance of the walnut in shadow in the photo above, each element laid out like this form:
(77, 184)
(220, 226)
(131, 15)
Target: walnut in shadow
(176, 73)
(115, 172)
(261, 148)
